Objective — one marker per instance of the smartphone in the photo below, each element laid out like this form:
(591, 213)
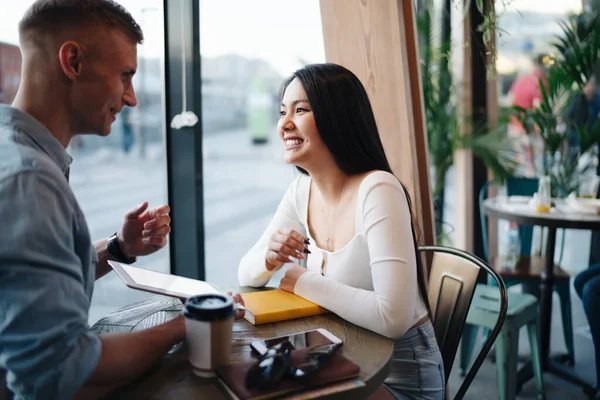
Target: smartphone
(298, 340)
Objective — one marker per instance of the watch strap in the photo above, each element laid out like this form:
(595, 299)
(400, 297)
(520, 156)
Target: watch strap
(114, 250)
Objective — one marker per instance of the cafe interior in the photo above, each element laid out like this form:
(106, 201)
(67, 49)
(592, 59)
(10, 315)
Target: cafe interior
(506, 205)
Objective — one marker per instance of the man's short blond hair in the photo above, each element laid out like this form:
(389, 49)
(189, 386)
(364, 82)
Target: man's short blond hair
(48, 16)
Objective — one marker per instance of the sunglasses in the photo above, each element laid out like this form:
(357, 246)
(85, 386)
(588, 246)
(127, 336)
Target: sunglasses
(276, 363)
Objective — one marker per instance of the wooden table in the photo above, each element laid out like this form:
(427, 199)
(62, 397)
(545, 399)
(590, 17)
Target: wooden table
(560, 217)
(174, 379)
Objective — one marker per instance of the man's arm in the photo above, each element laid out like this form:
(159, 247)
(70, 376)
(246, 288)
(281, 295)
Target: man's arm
(102, 267)
(126, 356)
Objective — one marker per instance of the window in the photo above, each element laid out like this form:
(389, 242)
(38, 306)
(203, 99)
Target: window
(246, 55)
(113, 174)
(529, 28)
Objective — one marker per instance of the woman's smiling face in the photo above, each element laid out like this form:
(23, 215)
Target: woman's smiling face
(297, 127)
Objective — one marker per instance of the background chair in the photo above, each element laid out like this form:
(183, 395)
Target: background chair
(452, 282)
(522, 311)
(528, 269)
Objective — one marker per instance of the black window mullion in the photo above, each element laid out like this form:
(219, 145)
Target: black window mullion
(184, 146)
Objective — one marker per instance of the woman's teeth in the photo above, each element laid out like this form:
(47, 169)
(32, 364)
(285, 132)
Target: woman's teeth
(293, 142)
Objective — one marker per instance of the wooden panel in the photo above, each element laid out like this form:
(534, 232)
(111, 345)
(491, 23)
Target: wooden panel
(377, 41)
(492, 117)
(463, 159)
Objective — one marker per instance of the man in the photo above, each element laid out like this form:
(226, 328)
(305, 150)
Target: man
(79, 57)
(583, 113)
(587, 286)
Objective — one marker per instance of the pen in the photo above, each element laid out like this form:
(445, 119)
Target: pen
(302, 262)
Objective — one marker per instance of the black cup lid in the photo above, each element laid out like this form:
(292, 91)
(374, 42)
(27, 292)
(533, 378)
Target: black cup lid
(209, 307)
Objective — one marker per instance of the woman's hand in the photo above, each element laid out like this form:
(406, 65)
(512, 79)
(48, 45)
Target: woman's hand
(288, 282)
(237, 299)
(284, 244)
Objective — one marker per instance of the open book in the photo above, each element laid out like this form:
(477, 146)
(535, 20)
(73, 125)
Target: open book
(278, 305)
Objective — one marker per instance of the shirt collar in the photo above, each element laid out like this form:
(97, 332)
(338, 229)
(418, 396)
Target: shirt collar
(38, 134)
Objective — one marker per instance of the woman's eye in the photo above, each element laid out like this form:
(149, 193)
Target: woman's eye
(301, 110)
(282, 113)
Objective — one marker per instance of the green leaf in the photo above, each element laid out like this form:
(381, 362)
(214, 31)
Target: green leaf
(479, 4)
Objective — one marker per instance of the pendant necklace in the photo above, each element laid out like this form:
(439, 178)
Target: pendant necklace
(329, 239)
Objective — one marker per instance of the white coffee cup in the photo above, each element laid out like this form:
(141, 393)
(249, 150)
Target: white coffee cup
(209, 327)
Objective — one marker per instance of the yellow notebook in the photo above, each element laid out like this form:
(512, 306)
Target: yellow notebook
(277, 305)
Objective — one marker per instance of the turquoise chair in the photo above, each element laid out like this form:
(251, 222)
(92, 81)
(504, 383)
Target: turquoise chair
(522, 312)
(522, 187)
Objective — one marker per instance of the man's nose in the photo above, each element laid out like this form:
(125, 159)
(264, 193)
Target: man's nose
(129, 98)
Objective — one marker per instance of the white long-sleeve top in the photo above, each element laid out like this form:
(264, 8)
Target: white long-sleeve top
(372, 281)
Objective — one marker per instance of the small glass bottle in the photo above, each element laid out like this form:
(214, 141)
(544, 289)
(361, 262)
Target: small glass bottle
(543, 195)
(513, 247)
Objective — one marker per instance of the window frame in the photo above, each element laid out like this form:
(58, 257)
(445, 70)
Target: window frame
(185, 181)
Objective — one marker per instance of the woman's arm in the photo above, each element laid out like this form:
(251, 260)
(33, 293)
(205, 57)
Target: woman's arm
(254, 269)
(390, 308)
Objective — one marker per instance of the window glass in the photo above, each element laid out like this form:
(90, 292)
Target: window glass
(531, 28)
(110, 175)
(246, 55)
(527, 28)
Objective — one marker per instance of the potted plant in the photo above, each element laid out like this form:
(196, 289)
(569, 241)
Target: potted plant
(568, 141)
(442, 121)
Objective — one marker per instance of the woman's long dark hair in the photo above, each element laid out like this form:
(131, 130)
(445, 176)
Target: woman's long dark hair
(347, 126)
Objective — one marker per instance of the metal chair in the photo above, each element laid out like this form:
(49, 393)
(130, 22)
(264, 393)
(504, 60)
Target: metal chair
(527, 187)
(452, 282)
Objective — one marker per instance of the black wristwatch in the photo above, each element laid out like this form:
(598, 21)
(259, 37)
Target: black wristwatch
(115, 250)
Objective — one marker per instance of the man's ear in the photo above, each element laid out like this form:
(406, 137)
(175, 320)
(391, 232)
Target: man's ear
(70, 56)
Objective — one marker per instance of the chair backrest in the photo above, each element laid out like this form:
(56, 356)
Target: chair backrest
(452, 281)
(514, 187)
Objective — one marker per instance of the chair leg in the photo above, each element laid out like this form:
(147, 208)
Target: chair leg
(532, 288)
(536, 362)
(507, 351)
(564, 293)
(469, 336)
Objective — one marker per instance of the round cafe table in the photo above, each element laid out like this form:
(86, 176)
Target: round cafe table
(173, 378)
(561, 216)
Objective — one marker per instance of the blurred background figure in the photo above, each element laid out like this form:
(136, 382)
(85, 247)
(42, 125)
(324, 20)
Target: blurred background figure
(585, 107)
(525, 92)
(584, 112)
(587, 286)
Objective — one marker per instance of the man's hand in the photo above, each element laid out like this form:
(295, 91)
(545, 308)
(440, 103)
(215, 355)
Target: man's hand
(144, 230)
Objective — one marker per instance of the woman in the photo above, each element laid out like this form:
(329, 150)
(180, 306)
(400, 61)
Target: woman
(354, 218)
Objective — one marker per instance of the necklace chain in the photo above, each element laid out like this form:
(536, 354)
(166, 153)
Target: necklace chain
(329, 239)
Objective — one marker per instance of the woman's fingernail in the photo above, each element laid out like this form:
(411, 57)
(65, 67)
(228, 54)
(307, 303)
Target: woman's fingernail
(306, 241)
(307, 251)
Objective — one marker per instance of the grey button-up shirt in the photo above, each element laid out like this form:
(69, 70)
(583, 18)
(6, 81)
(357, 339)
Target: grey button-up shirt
(47, 266)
